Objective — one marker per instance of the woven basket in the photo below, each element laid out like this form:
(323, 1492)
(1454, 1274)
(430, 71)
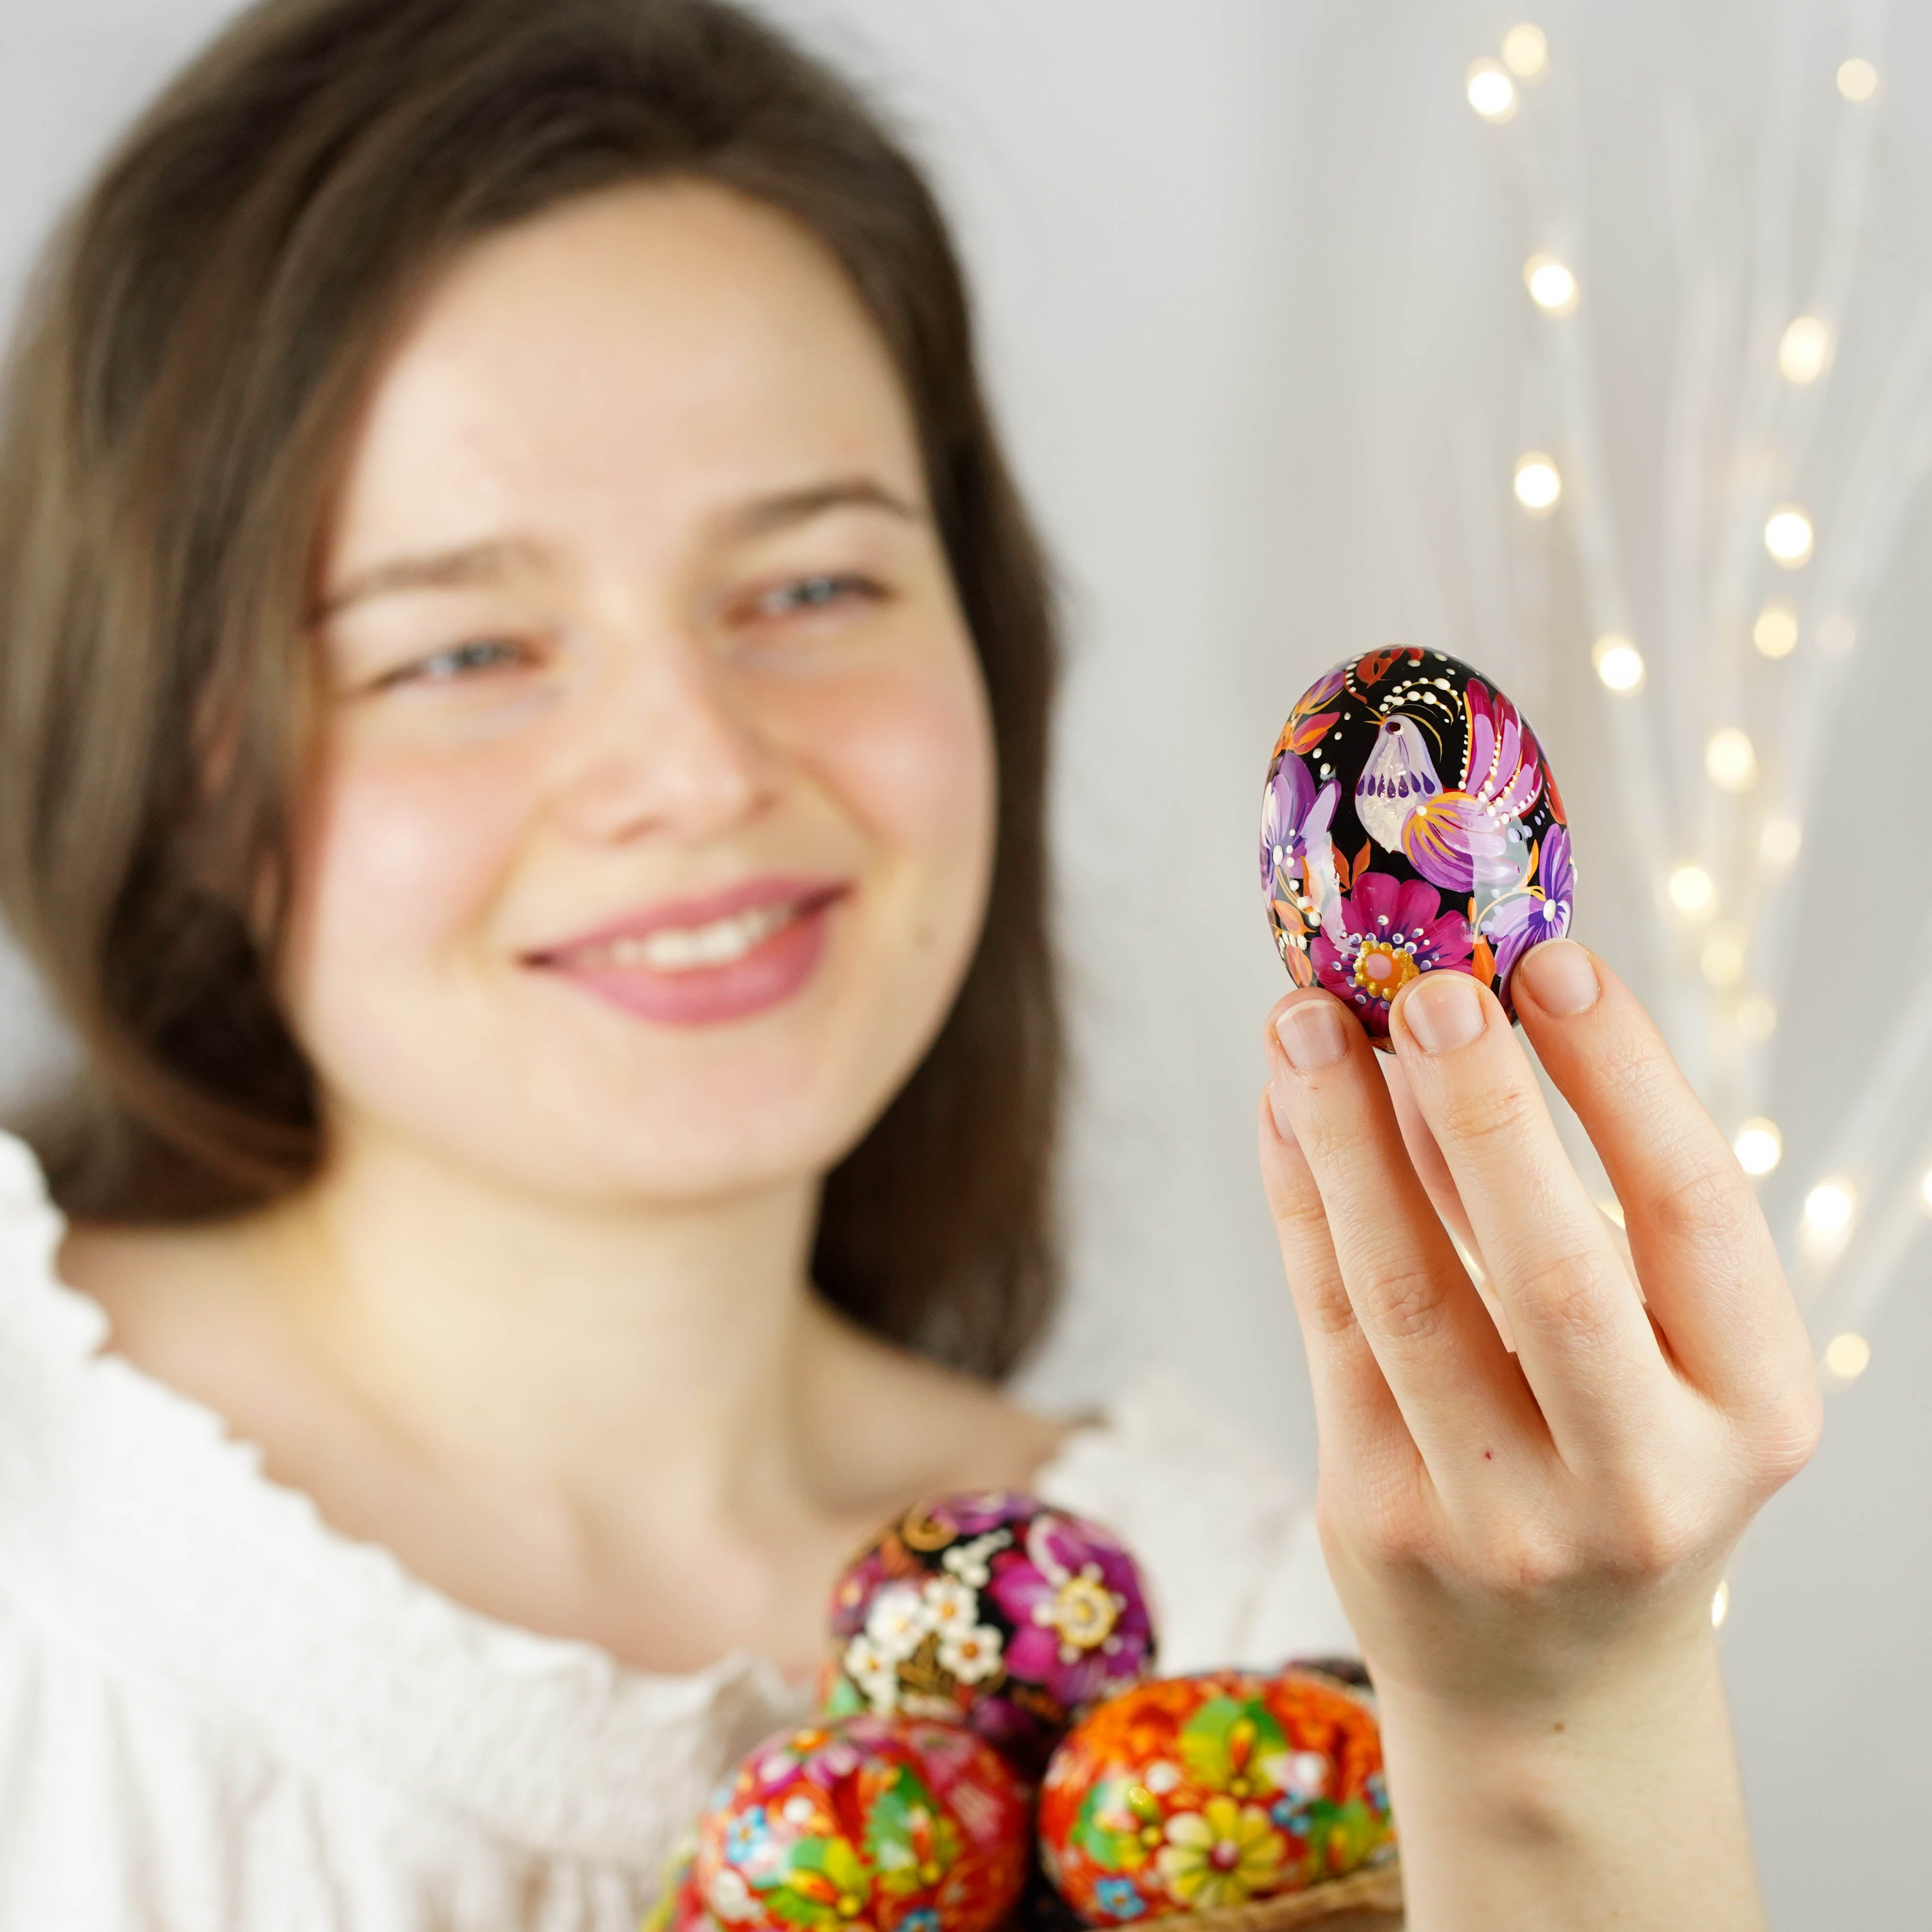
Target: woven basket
(1364, 1899)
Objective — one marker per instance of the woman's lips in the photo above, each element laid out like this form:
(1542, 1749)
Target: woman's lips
(757, 953)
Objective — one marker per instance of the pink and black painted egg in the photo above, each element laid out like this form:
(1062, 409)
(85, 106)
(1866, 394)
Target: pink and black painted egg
(991, 1610)
(1410, 824)
(861, 1825)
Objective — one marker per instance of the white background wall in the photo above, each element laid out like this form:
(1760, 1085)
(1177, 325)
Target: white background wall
(1249, 276)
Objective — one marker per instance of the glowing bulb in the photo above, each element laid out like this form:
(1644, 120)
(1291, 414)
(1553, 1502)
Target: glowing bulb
(1805, 350)
(1857, 80)
(1756, 1018)
(1781, 841)
(1827, 1208)
(1691, 889)
(1492, 92)
(1848, 1356)
(1837, 634)
(1526, 51)
(1537, 484)
(1775, 633)
(1721, 959)
(1551, 285)
(1730, 762)
(1759, 1146)
(1787, 536)
(1925, 1190)
(1618, 663)
(1720, 1604)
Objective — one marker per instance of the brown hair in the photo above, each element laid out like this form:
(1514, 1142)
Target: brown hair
(175, 416)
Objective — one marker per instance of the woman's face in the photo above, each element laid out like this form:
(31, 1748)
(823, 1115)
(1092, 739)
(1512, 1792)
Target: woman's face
(653, 822)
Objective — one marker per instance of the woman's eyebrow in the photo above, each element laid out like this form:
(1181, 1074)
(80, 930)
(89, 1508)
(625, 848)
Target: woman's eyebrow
(497, 557)
(763, 515)
(484, 563)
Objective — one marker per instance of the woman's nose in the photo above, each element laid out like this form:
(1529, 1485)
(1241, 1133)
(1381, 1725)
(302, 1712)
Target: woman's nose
(663, 749)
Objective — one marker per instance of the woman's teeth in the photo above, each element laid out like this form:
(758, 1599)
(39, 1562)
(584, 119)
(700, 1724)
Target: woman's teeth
(689, 949)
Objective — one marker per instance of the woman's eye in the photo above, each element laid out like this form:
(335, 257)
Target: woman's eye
(814, 593)
(459, 661)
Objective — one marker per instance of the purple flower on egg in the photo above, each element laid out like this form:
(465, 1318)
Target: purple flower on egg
(1379, 936)
(1079, 1620)
(1542, 911)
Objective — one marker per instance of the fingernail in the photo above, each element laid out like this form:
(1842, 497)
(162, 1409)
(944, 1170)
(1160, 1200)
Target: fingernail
(1310, 1033)
(1278, 1107)
(1562, 977)
(1443, 1011)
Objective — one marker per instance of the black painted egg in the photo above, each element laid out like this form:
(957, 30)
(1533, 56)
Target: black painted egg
(1411, 825)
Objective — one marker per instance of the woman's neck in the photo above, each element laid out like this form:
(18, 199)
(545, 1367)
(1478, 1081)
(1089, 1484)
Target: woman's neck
(563, 1340)
(637, 1425)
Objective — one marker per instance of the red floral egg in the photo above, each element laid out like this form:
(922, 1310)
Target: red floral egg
(992, 1609)
(1410, 824)
(1196, 1793)
(863, 1824)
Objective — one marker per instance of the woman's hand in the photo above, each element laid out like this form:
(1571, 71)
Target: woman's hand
(1528, 1542)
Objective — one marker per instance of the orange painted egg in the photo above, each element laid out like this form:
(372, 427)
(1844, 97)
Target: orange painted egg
(1193, 1794)
(862, 1824)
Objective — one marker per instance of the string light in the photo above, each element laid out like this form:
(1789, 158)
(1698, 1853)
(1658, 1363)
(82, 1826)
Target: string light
(1787, 536)
(1781, 841)
(1804, 350)
(1759, 1146)
(1721, 958)
(1827, 1221)
(1925, 1190)
(1552, 286)
(1538, 484)
(1491, 93)
(1775, 632)
(1847, 1356)
(1757, 1019)
(1857, 80)
(1730, 760)
(1617, 662)
(1720, 1604)
(1526, 51)
(1691, 888)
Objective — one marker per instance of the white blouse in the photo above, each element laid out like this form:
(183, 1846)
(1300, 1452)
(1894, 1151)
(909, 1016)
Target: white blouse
(217, 1712)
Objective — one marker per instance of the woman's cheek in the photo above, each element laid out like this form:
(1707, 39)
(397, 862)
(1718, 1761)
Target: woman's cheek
(912, 754)
(402, 863)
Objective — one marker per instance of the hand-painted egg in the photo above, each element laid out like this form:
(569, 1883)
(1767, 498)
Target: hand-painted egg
(991, 1610)
(1411, 825)
(1191, 1794)
(865, 1825)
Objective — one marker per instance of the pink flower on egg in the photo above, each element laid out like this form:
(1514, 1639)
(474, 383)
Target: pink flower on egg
(1380, 935)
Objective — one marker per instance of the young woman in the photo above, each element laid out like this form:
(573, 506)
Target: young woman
(522, 688)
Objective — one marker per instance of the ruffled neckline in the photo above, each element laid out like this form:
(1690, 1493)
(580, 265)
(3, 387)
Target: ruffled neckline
(133, 1521)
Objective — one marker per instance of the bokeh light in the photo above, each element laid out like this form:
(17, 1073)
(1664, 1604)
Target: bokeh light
(1775, 632)
(1691, 890)
(1787, 536)
(1552, 285)
(1526, 51)
(1538, 484)
(1857, 80)
(1730, 760)
(1491, 93)
(1804, 350)
(1617, 662)
(1759, 1146)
